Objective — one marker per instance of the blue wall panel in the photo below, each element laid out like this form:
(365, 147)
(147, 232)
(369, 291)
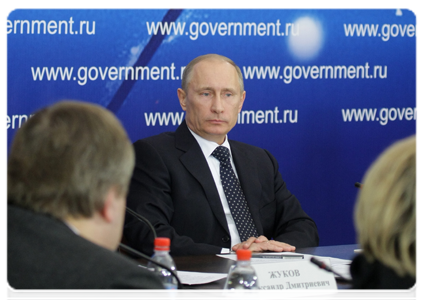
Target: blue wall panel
(327, 90)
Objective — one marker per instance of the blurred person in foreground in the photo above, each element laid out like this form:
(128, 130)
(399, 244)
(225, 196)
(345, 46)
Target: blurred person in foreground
(385, 219)
(68, 173)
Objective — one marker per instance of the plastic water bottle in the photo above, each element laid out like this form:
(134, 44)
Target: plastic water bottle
(161, 255)
(242, 275)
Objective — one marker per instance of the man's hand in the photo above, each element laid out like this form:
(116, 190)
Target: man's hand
(261, 244)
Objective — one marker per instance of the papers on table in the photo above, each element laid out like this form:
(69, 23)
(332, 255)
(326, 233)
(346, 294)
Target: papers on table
(199, 277)
(341, 266)
(333, 261)
(343, 270)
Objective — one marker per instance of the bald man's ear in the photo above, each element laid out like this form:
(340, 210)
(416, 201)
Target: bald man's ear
(108, 211)
(182, 99)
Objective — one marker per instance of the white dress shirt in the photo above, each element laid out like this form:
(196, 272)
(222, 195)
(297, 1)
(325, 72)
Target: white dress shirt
(214, 164)
(71, 227)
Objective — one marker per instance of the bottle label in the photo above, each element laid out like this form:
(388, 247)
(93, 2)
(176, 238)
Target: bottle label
(172, 290)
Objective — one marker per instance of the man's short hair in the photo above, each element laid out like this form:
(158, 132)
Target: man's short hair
(65, 159)
(186, 76)
(385, 214)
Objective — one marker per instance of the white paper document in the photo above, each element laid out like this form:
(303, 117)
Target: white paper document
(343, 270)
(193, 278)
(333, 261)
(199, 277)
(293, 275)
(340, 266)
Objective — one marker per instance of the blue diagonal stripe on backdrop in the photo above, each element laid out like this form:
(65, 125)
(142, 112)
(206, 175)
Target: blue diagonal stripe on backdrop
(143, 60)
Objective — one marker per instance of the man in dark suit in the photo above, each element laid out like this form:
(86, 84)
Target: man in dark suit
(68, 174)
(181, 180)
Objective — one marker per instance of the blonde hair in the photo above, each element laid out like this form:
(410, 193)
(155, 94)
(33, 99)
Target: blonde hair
(66, 157)
(186, 76)
(385, 214)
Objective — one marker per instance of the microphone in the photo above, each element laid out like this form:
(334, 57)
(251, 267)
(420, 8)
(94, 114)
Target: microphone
(142, 255)
(142, 219)
(139, 254)
(358, 185)
(325, 267)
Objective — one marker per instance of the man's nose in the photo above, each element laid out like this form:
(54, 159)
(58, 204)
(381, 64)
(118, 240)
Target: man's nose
(217, 104)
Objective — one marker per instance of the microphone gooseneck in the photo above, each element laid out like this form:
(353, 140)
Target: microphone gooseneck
(142, 219)
(325, 267)
(181, 287)
(142, 255)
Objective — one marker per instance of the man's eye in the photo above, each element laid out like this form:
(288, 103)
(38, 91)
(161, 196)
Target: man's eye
(206, 94)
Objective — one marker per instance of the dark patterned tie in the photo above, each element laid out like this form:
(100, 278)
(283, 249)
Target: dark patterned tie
(235, 196)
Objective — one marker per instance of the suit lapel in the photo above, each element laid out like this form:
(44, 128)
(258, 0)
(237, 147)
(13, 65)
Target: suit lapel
(250, 183)
(194, 161)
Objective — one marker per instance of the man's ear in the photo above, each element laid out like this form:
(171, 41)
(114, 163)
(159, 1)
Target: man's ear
(108, 211)
(244, 93)
(182, 99)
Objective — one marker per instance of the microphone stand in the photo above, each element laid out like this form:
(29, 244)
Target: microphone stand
(142, 255)
(325, 267)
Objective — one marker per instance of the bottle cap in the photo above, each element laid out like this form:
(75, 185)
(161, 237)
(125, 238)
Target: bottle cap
(243, 254)
(162, 244)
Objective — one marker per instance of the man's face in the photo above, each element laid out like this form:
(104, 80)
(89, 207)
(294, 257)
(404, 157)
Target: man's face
(213, 99)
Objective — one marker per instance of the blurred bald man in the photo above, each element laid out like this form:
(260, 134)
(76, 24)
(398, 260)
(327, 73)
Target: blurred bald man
(68, 174)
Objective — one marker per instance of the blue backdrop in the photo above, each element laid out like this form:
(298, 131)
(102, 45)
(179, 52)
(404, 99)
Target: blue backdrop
(327, 90)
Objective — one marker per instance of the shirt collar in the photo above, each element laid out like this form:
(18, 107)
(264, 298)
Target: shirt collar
(71, 227)
(208, 146)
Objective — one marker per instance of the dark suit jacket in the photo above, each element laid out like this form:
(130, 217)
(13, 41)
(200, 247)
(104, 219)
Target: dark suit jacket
(44, 253)
(173, 187)
(375, 275)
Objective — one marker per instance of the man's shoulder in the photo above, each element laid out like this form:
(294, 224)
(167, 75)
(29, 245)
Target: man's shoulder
(25, 225)
(247, 147)
(181, 134)
(179, 140)
(110, 269)
(59, 258)
(161, 144)
(163, 137)
(252, 153)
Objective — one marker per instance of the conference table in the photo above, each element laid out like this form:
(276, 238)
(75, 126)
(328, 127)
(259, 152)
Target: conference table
(216, 264)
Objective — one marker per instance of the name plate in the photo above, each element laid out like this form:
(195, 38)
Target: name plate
(293, 275)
